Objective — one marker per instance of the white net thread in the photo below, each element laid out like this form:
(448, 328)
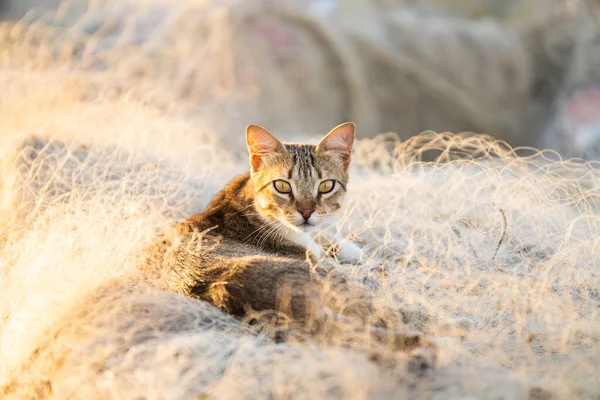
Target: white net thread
(498, 248)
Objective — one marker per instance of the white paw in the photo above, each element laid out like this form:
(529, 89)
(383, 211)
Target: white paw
(305, 241)
(350, 253)
(315, 251)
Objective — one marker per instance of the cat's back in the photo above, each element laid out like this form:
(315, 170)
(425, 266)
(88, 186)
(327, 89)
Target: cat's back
(219, 256)
(224, 212)
(231, 224)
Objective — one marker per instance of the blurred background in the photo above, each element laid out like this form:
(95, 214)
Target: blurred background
(523, 71)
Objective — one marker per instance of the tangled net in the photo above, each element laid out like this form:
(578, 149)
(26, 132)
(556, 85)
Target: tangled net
(495, 249)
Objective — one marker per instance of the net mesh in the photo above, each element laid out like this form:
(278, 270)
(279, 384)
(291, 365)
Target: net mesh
(497, 249)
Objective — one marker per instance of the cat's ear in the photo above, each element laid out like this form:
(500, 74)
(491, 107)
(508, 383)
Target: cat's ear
(340, 139)
(261, 144)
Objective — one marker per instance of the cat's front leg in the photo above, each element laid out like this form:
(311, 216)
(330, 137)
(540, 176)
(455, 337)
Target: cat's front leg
(305, 241)
(349, 252)
(315, 251)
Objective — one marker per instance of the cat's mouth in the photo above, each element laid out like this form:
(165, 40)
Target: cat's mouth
(305, 226)
(300, 226)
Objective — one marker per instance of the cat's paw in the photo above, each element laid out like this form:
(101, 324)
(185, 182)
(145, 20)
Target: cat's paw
(314, 251)
(350, 253)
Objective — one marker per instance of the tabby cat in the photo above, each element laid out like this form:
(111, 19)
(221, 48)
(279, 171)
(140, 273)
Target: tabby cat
(254, 237)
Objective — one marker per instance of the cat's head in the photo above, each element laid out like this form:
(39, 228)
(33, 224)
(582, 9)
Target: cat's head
(299, 185)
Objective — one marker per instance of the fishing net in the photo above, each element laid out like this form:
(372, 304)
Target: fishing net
(113, 131)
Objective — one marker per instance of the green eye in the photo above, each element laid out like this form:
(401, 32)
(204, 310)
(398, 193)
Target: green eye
(326, 186)
(282, 187)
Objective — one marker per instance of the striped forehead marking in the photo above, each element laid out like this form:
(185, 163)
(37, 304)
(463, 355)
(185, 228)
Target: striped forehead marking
(303, 162)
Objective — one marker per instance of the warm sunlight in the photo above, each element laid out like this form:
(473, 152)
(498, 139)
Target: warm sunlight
(467, 265)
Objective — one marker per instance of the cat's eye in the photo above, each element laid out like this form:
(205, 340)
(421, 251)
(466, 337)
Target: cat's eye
(282, 187)
(326, 186)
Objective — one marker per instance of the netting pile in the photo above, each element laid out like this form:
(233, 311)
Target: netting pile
(497, 250)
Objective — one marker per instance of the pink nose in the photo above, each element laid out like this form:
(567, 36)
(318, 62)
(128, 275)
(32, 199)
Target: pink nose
(306, 213)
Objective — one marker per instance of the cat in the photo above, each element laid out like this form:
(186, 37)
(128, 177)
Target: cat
(289, 192)
(255, 235)
(252, 252)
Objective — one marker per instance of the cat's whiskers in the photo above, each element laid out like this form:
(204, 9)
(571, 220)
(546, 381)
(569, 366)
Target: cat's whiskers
(283, 233)
(262, 228)
(244, 209)
(267, 234)
(274, 233)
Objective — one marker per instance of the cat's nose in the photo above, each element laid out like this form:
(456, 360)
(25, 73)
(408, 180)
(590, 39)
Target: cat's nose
(306, 213)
